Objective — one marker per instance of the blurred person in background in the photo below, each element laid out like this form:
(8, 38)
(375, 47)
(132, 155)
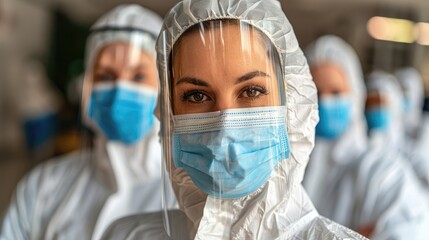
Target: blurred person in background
(238, 110)
(385, 110)
(78, 195)
(415, 144)
(413, 91)
(346, 177)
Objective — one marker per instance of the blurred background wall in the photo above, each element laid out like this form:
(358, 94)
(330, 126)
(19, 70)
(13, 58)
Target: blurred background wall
(42, 61)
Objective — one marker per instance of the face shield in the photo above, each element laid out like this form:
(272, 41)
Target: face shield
(121, 84)
(223, 114)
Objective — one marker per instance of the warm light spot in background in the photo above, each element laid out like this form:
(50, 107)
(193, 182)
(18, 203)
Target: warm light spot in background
(391, 29)
(423, 33)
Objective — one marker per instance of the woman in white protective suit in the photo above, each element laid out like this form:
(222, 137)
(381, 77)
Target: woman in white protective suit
(369, 189)
(77, 196)
(238, 110)
(415, 142)
(384, 110)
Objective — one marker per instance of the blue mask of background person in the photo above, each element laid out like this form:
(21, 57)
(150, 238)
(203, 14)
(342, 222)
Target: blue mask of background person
(334, 116)
(122, 113)
(377, 118)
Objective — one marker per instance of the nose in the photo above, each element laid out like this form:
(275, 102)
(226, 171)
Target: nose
(224, 101)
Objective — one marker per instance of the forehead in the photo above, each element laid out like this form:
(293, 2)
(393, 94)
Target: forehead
(222, 45)
(327, 70)
(223, 36)
(376, 97)
(120, 53)
(330, 76)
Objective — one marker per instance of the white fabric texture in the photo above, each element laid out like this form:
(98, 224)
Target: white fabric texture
(280, 208)
(415, 140)
(353, 183)
(128, 17)
(420, 155)
(77, 196)
(412, 85)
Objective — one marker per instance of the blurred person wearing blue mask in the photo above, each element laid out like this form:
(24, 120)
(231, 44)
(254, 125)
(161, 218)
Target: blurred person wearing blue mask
(384, 109)
(77, 196)
(345, 176)
(416, 138)
(238, 111)
(335, 102)
(376, 112)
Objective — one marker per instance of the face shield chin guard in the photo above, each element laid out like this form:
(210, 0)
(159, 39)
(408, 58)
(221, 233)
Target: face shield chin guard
(120, 80)
(223, 118)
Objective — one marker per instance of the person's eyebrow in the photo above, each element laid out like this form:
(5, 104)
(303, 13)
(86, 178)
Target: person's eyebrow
(194, 81)
(137, 67)
(251, 75)
(104, 68)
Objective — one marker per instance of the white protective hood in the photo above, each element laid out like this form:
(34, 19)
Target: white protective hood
(412, 85)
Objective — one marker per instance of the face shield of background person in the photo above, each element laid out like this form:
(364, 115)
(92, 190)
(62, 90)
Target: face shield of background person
(229, 111)
(376, 113)
(123, 92)
(334, 100)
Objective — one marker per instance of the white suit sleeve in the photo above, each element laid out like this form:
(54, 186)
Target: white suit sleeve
(17, 222)
(394, 201)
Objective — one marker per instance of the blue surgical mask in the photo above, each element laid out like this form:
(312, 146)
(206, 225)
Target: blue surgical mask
(377, 118)
(231, 153)
(40, 130)
(123, 112)
(334, 116)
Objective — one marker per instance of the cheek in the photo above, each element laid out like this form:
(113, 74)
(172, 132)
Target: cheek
(153, 79)
(179, 107)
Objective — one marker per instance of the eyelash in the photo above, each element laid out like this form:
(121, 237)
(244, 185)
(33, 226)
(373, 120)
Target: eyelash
(188, 94)
(260, 89)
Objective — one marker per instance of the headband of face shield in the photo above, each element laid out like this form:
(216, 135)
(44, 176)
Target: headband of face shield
(121, 84)
(228, 130)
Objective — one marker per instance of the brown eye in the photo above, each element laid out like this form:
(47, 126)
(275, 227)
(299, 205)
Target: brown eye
(106, 77)
(195, 97)
(253, 92)
(139, 77)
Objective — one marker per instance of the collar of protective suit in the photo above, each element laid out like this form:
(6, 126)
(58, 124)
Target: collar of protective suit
(280, 208)
(129, 172)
